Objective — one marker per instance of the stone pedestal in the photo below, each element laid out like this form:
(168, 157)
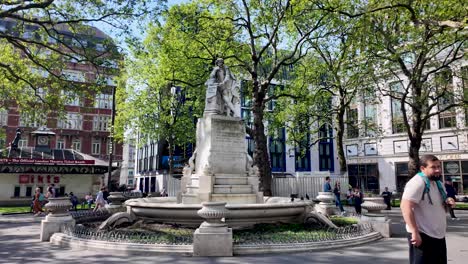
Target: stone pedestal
(213, 237)
(58, 217)
(379, 222)
(116, 199)
(373, 205)
(222, 171)
(326, 205)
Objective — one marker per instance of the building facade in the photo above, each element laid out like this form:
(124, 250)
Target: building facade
(85, 126)
(377, 153)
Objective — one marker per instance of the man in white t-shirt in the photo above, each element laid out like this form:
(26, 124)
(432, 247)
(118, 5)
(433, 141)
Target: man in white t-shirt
(423, 208)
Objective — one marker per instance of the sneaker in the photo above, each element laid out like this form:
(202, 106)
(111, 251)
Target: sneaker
(455, 218)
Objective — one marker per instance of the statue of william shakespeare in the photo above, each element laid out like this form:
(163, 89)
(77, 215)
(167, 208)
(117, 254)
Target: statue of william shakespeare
(222, 91)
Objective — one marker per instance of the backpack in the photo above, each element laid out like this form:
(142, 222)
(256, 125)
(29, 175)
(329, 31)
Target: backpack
(427, 188)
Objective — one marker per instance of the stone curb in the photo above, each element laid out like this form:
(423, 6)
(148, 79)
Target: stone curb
(301, 247)
(64, 240)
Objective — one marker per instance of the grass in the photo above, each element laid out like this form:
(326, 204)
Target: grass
(15, 209)
(27, 209)
(343, 221)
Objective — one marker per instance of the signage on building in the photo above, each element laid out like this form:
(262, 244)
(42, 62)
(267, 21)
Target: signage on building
(452, 167)
(45, 161)
(39, 179)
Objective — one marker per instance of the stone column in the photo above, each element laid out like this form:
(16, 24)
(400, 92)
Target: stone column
(58, 217)
(326, 205)
(213, 237)
(379, 221)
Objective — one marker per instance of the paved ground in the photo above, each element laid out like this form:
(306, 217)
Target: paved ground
(19, 243)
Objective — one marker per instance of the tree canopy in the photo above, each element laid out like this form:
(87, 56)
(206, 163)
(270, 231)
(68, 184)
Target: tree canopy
(38, 38)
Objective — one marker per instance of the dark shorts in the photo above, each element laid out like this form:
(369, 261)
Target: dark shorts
(431, 251)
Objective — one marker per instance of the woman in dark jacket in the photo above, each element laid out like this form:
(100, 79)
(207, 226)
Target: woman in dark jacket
(358, 196)
(451, 192)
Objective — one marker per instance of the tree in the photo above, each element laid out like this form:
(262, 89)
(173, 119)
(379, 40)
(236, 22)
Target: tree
(37, 37)
(272, 36)
(166, 76)
(330, 79)
(416, 46)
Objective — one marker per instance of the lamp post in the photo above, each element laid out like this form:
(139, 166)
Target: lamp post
(111, 140)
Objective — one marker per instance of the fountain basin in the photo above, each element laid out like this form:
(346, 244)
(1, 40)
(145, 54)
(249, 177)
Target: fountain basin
(167, 210)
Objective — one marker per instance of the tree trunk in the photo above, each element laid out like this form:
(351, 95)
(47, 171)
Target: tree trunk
(261, 157)
(339, 140)
(413, 163)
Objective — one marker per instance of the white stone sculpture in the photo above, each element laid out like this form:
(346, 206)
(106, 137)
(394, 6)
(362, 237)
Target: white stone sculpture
(222, 91)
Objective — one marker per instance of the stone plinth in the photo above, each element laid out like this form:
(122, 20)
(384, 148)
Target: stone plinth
(213, 237)
(222, 169)
(326, 205)
(373, 204)
(380, 223)
(58, 217)
(116, 199)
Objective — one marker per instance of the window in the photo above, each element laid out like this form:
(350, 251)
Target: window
(75, 76)
(103, 101)
(106, 79)
(277, 153)
(96, 147)
(16, 192)
(22, 143)
(61, 144)
(71, 98)
(3, 117)
(352, 129)
(71, 121)
(370, 115)
(28, 191)
(101, 123)
(32, 120)
(364, 176)
(443, 81)
(398, 125)
(326, 148)
(76, 145)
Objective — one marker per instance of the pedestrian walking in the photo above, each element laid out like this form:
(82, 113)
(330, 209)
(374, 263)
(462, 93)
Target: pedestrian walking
(423, 206)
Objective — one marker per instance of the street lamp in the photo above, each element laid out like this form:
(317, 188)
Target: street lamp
(111, 140)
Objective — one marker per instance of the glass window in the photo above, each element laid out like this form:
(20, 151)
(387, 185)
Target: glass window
(277, 153)
(22, 143)
(71, 121)
(103, 101)
(28, 191)
(61, 144)
(96, 147)
(32, 120)
(352, 129)
(101, 123)
(364, 176)
(16, 192)
(443, 81)
(3, 117)
(326, 148)
(398, 125)
(76, 145)
(75, 76)
(71, 98)
(370, 115)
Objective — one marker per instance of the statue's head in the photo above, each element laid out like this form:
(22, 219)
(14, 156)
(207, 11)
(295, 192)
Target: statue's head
(219, 62)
